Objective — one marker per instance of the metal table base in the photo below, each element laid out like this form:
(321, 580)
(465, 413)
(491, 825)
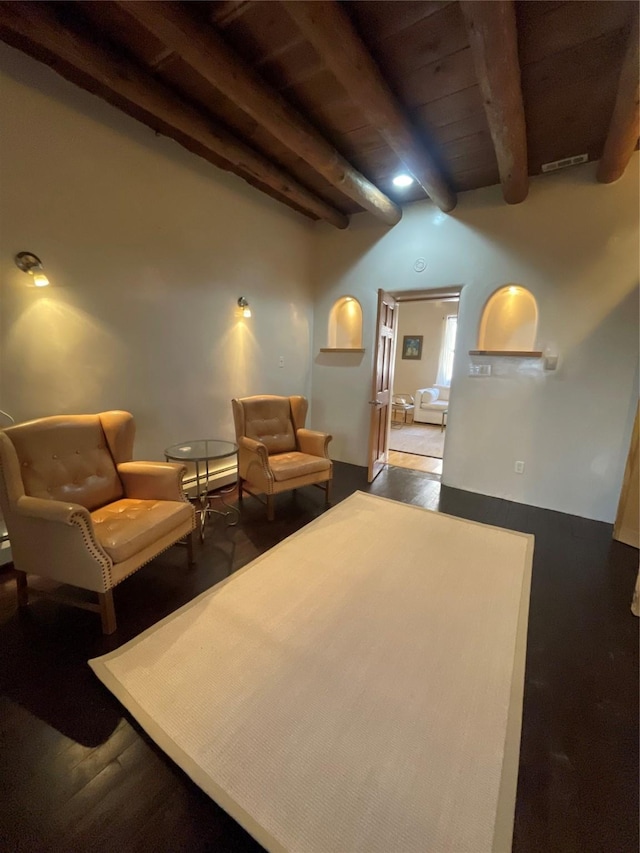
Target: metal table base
(200, 452)
(204, 510)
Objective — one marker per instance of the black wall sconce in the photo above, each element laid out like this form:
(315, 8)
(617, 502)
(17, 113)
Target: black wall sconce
(31, 264)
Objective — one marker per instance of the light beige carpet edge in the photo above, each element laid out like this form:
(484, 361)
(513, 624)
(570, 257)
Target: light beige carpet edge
(277, 694)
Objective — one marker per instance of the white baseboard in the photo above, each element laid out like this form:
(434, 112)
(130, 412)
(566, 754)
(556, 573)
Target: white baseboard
(217, 480)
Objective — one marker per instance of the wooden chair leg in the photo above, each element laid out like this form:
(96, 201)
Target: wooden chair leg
(23, 589)
(190, 559)
(107, 611)
(240, 491)
(327, 491)
(270, 508)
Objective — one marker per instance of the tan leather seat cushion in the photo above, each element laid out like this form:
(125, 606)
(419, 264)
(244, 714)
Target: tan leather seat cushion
(288, 466)
(127, 526)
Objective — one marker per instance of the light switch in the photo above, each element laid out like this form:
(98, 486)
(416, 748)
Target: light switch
(479, 370)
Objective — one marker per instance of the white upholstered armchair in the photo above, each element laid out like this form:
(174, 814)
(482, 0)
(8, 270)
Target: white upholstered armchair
(431, 404)
(275, 452)
(79, 511)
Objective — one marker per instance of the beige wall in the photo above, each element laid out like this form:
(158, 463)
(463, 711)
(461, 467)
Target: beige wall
(148, 248)
(426, 319)
(574, 244)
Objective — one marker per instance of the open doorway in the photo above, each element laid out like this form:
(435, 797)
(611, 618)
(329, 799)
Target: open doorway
(426, 336)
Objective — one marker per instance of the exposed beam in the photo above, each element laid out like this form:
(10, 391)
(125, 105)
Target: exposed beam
(226, 11)
(491, 27)
(623, 129)
(34, 28)
(329, 29)
(207, 53)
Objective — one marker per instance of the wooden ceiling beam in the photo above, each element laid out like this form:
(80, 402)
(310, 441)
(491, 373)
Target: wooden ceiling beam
(208, 54)
(161, 58)
(34, 28)
(622, 136)
(325, 24)
(491, 27)
(226, 11)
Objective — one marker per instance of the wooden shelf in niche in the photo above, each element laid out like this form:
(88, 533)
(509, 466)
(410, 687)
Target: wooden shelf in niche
(507, 353)
(341, 349)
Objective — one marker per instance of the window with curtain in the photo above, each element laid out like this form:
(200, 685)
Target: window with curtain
(445, 365)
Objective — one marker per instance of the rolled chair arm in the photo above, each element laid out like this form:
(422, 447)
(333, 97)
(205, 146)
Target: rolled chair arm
(314, 443)
(60, 536)
(46, 510)
(432, 395)
(149, 481)
(253, 446)
(253, 460)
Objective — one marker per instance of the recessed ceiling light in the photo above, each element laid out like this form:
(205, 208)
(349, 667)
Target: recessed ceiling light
(403, 180)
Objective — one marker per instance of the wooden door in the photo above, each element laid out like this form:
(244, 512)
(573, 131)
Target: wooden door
(382, 382)
(626, 528)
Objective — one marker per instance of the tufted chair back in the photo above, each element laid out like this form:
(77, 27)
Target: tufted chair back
(271, 420)
(275, 451)
(71, 457)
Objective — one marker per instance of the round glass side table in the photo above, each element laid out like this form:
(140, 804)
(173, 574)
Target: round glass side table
(201, 452)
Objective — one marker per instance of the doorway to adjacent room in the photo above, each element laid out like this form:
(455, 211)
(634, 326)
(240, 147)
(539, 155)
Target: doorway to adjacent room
(421, 384)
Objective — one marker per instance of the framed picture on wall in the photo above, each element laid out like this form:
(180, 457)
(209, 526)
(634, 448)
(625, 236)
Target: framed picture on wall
(412, 346)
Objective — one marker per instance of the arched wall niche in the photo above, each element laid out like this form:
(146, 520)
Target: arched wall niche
(345, 324)
(509, 321)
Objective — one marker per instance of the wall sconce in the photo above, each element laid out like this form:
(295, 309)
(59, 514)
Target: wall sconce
(243, 305)
(30, 263)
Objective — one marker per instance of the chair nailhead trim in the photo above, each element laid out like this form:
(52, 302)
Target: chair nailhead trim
(102, 558)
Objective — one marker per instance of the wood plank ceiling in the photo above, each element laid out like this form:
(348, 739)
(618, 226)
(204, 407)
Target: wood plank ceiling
(320, 104)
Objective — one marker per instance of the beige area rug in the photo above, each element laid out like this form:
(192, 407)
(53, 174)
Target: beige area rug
(421, 439)
(356, 688)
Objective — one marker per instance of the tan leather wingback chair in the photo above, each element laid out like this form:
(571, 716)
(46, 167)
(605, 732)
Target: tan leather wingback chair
(275, 452)
(79, 511)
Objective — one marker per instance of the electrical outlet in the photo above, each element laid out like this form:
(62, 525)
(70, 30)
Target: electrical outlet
(281, 361)
(519, 467)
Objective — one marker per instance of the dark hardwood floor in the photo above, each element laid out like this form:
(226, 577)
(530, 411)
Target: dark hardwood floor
(78, 774)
